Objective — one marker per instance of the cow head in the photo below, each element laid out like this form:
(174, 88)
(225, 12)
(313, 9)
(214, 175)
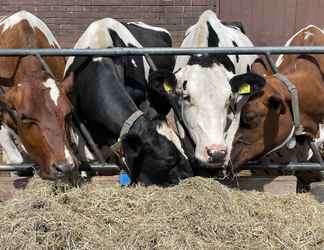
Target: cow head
(265, 122)
(156, 158)
(205, 97)
(41, 113)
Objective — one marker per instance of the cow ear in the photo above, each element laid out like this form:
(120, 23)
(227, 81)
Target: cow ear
(248, 83)
(277, 103)
(67, 84)
(132, 147)
(259, 67)
(161, 85)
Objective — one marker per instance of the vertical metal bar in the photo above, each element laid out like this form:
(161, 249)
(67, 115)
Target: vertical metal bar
(150, 62)
(88, 138)
(273, 67)
(45, 65)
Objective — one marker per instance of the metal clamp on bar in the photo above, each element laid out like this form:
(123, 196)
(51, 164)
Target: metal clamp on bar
(292, 90)
(294, 101)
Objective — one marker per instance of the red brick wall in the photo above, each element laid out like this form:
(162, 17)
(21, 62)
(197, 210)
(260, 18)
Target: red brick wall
(266, 22)
(69, 18)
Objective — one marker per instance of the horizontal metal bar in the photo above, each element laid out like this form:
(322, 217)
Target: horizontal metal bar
(164, 51)
(90, 167)
(308, 166)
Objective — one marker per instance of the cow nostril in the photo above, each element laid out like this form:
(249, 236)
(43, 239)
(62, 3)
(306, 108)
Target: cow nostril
(62, 168)
(216, 156)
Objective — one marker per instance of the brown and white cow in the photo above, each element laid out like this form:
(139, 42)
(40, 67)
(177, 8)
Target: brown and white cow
(38, 99)
(266, 119)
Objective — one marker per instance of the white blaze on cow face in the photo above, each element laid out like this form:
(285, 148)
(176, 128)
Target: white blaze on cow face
(206, 94)
(54, 91)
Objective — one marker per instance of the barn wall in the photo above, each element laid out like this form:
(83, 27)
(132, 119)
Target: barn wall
(69, 18)
(266, 22)
(273, 22)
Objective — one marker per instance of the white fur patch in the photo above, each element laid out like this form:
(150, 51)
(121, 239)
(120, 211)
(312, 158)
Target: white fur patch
(83, 149)
(166, 131)
(209, 88)
(54, 91)
(97, 59)
(34, 22)
(134, 63)
(307, 34)
(68, 156)
(11, 154)
(149, 27)
(197, 36)
(97, 36)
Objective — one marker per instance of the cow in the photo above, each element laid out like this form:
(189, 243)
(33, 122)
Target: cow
(266, 123)
(110, 96)
(34, 104)
(202, 87)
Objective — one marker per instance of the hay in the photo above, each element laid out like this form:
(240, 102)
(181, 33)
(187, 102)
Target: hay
(197, 214)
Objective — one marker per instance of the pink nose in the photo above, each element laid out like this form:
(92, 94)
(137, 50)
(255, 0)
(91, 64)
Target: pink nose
(215, 153)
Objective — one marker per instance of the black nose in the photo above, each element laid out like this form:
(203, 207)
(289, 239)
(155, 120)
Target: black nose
(216, 156)
(62, 168)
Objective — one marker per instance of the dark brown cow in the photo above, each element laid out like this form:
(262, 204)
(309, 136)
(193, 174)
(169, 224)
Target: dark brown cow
(266, 119)
(41, 106)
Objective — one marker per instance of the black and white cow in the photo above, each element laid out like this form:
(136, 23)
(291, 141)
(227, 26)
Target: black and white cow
(108, 92)
(203, 85)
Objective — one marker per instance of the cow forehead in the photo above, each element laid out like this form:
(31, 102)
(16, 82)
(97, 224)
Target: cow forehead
(213, 81)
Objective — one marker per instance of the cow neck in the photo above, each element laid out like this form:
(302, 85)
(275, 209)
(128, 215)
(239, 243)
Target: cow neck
(126, 127)
(296, 129)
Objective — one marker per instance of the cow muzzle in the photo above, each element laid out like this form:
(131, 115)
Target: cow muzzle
(59, 171)
(215, 154)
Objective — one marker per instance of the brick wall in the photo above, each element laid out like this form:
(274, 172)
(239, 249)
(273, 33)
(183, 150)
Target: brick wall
(69, 18)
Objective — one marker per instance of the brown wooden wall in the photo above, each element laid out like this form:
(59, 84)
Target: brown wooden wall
(267, 22)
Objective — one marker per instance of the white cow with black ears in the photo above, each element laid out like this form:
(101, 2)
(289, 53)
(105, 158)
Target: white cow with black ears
(204, 86)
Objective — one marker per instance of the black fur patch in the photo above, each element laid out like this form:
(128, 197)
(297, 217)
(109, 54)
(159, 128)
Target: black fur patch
(213, 40)
(208, 60)
(237, 56)
(235, 24)
(257, 82)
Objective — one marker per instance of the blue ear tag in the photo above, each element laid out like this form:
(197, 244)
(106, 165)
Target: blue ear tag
(124, 179)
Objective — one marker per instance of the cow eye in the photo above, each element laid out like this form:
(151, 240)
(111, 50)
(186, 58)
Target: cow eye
(186, 97)
(185, 85)
(27, 120)
(249, 118)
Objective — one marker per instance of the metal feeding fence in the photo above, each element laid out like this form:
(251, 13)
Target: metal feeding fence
(266, 51)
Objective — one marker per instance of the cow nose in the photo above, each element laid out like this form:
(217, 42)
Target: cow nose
(63, 168)
(216, 153)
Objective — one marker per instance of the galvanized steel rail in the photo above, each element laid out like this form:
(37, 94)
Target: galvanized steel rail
(164, 51)
(91, 167)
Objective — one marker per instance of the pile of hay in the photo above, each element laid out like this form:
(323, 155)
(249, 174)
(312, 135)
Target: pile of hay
(197, 214)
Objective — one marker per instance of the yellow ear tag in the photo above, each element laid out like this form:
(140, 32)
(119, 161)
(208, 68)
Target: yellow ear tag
(245, 89)
(167, 87)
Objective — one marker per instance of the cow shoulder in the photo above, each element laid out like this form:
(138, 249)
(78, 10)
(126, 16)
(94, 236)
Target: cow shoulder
(152, 36)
